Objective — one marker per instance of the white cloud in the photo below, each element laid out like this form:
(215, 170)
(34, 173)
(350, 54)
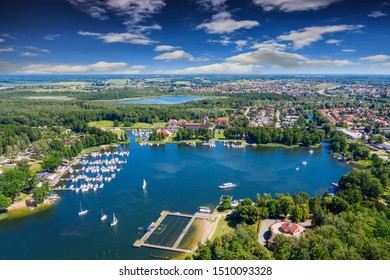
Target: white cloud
(1, 40)
(283, 59)
(99, 67)
(134, 11)
(223, 40)
(223, 23)
(51, 37)
(215, 5)
(31, 54)
(309, 35)
(348, 50)
(376, 58)
(270, 44)
(135, 39)
(250, 62)
(37, 49)
(387, 64)
(293, 5)
(240, 44)
(376, 14)
(177, 55)
(217, 68)
(6, 50)
(334, 42)
(165, 48)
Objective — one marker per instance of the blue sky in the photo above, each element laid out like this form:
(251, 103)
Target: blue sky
(195, 36)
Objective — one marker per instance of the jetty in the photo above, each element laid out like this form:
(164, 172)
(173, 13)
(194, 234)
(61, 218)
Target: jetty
(169, 230)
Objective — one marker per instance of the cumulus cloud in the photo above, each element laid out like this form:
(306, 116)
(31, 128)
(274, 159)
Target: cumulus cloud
(1, 40)
(270, 44)
(217, 68)
(250, 62)
(31, 54)
(130, 38)
(376, 14)
(215, 5)
(293, 5)
(99, 67)
(133, 11)
(334, 42)
(376, 58)
(6, 50)
(178, 55)
(308, 35)
(240, 44)
(223, 23)
(165, 48)
(51, 37)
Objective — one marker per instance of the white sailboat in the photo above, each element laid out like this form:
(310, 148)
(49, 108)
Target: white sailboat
(103, 217)
(82, 212)
(114, 220)
(144, 185)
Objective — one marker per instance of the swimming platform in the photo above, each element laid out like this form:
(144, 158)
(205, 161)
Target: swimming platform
(169, 230)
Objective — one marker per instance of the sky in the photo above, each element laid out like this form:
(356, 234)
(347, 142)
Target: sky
(195, 37)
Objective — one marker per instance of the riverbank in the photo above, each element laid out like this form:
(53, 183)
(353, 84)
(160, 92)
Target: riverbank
(20, 209)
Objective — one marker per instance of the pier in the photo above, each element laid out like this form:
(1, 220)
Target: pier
(169, 236)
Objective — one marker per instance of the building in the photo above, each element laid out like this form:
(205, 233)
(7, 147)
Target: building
(355, 135)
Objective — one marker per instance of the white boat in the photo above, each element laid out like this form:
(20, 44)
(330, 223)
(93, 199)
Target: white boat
(304, 163)
(144, 185)
(335, 184)
(103, 217)
(227, 186)
(297, 169)
(82, 212)
(311, 151)
(114, 220)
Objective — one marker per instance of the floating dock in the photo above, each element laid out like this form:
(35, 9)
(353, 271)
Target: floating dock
(169, 230)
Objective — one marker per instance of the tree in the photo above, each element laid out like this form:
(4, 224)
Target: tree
(40, 193)
(226, 203)
(286, 203)
(4, 201)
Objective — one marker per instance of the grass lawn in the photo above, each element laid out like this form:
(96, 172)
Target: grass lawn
(35, 166)
(141, 125)
(219, 135)
(160, 124)
(6, 168)
(224, 226)
(91, 150)
(100, 124)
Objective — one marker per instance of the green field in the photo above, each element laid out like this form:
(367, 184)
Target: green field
(141, 125)
(100, 124)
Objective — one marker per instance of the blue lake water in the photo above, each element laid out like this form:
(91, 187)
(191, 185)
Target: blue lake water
(162, 100)
(179, 178)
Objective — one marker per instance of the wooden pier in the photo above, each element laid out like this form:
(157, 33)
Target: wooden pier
(142, 242)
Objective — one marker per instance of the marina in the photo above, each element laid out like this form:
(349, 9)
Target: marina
(179, 178)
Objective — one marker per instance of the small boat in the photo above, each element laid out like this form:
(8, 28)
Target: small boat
(304, 163)
(144, 185)
(311, 151)
(335, 184)
(82, 212)
(297, 169)
(103, 217)
(227, 186)
(114, 220)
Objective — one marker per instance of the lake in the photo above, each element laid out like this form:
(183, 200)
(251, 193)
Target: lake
(179, 178)
(162, 100)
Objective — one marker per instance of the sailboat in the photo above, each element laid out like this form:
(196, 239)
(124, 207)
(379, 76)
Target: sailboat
(103, 217)
(114, 220)
(82, 212)
(144, 185)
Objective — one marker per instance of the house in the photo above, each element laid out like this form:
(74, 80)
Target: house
(193, 125)
(173, 123)
(182, 122)
(221, 121)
